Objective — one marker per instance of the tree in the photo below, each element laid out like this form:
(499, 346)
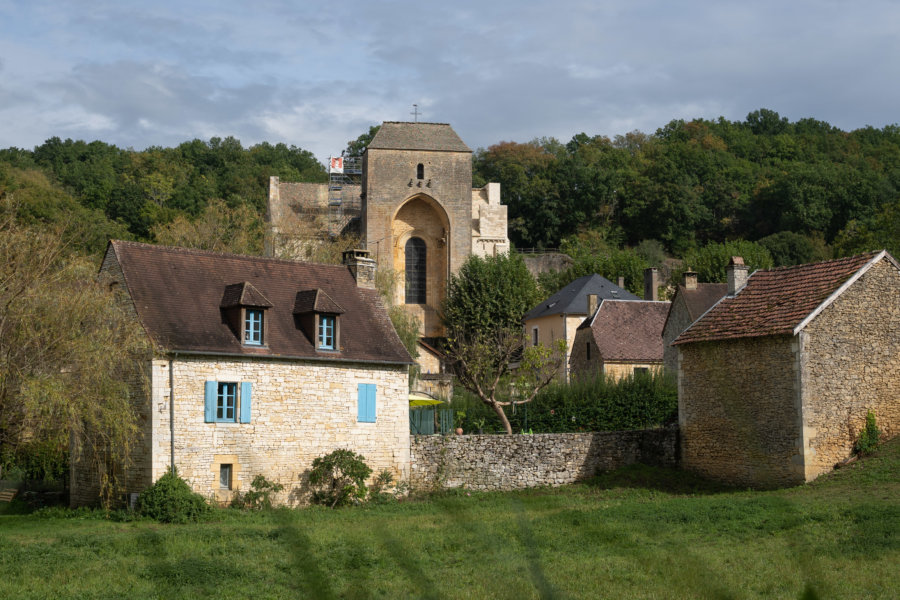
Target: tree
(218, 228)
(358, 146)
(71, 350)
(483, 316)
(710, 261)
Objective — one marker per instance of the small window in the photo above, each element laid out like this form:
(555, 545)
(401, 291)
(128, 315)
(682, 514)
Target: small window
(420, 171)
(641, 370)
(588, 351)
(326, 332)
(253, 327)
(534, 336)
(226, 402)
(225, 477)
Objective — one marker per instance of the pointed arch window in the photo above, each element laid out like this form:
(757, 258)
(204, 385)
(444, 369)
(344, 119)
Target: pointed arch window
(415, 271)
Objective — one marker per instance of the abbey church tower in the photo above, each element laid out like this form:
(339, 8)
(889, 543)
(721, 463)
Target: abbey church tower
(418, 213)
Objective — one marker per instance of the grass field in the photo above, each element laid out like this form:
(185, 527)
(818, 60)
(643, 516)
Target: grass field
(635, 533)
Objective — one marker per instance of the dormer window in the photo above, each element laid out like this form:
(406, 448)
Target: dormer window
(319, 317)
(244, 310)
(326, 332)
(253, 326)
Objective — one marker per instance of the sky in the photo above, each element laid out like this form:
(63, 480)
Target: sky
(315, 75)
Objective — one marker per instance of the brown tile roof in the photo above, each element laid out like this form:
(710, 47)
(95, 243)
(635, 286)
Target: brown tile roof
(701, 299)
(177, 293)
(243, 294)
(776, 301)
(316, 300)
(395, 135)
(629, 330)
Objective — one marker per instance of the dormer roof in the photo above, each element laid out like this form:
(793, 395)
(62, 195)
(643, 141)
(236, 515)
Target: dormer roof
(243, 294)
(179, 293)
(309, 301)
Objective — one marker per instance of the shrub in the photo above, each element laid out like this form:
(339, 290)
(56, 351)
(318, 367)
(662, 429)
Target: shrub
(340, 478)
(868, 439)
(259, 496)
(170, 500)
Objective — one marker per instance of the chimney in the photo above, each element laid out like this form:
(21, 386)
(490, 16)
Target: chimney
(592, 304)
(361, 267)
(736, 271)
(651, 284)
(621, 282)
(689, 280)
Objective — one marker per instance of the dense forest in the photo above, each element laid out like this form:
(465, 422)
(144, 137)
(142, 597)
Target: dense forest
(800, 190)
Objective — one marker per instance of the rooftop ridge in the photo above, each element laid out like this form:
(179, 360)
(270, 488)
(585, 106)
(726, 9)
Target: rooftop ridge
(201, 252)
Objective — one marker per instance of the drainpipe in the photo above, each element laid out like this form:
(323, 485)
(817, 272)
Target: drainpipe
(172, 415)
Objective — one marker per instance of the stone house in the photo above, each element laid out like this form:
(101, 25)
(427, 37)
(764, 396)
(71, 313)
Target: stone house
(690, 301)
(775, 380)
(417, 212)
(622, 337)
(559, 316)
(260, 365)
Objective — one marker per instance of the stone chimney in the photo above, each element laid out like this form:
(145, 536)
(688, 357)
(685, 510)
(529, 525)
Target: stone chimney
(361, 267)
(736, 271)
(592, 304)
(651, 284)
(621, 282)
(689, 280)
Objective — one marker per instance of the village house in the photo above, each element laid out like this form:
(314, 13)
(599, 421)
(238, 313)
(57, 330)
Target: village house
(260, 366)
(774, 381)
(622, 338)
(690, 301)
(559, 316)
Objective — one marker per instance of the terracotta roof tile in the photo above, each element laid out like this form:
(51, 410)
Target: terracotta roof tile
(629, 330)
(394, 135)
(177, 293)
(316, 300)
(774, 301)
(243, 294)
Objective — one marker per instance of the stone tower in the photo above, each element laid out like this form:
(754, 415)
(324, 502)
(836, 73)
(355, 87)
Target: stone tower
(418, 212)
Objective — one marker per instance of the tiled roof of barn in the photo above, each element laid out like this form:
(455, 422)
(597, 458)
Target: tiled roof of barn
(775, 301)
(395, 135)
(177, 293)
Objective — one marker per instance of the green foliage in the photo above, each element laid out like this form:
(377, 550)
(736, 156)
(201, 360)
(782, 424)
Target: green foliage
(260, 495)
(710, 261)
(37, 459)
(591, 255)
(358, 146)
(339, 478)
(489, 294)
(170, 500)
(593, 404)
(788, 248)
(869, 437)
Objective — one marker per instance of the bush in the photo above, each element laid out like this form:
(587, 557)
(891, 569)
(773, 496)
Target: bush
(593, 404)
(868, 439)
(340, 478)
(170, 500)
(259, 496)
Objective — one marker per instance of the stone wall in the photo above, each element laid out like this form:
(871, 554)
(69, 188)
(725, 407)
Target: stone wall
(678, 320)
(738, 409)
(501, 462)
(544, 263)
(849, 366)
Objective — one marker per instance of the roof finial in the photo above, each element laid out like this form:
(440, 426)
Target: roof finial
(415, 112)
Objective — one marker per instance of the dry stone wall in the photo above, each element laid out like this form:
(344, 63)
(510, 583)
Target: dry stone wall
(509, 462)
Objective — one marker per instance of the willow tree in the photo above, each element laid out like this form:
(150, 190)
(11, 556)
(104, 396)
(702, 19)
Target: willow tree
(70, 356)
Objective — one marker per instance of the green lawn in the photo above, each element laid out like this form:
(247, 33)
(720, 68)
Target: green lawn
(636, 533)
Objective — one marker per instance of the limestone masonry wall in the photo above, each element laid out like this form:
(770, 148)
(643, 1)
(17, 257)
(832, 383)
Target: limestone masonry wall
(508, 462)
(738, 411)
(850, 366)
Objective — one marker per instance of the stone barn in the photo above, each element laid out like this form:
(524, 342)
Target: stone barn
(774, 382)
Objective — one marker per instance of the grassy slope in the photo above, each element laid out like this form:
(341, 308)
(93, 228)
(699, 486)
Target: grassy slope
(636, 533)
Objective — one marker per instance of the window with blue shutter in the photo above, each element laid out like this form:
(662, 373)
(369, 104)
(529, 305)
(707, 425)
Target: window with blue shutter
(223, 403)
(366, 402)
(245, 401)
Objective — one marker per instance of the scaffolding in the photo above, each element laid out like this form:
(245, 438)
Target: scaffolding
(343, 173)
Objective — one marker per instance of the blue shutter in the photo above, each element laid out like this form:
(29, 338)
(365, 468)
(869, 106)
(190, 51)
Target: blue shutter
(210, 399)
(245, 401)
(365, 398)
(370, 403)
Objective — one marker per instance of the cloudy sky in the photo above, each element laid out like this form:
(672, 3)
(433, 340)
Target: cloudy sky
(315, 75)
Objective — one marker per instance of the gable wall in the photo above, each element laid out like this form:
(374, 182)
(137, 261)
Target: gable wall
(552, 328)
(850, 365)
(738, 410)
(679, 319)
(300, 411)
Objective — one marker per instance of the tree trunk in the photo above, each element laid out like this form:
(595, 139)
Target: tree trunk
(499, 410)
